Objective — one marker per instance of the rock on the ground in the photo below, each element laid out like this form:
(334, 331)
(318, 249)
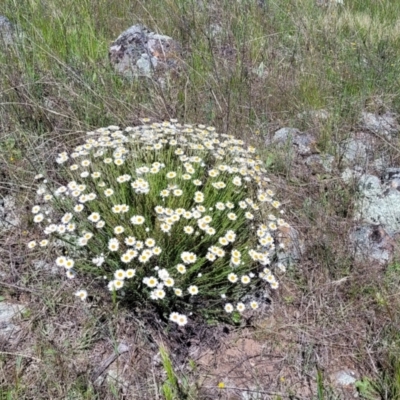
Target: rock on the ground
(354, 151)
(344, 377)
(293, 245)
(8, 213)
(379, 204)
(7, 313)
(392, 177)
(345, 381)
(385, 124)
(283, 136)
(378, 214)
(320, 163)
(7, 31)
(42, 265)
(372, 243)
(349, 175)
(304, 144)
(140, 52)
(380, 164)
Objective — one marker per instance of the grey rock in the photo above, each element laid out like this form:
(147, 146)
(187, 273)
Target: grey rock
(45, 266)
(354, 151)
(380, 164)
(7, 31)
(372, 243)
(395, 183)
(378, 209)
(8, 213)
(146, 64)
(344, 378)
(284, 135)
(349, 175)
(7, 313)
(370, 186)
(383, 209)
(305, 144)
(379, 204)
(385, 124)
(140, 52)
(293, 244)
(320, 163)
(391, 173)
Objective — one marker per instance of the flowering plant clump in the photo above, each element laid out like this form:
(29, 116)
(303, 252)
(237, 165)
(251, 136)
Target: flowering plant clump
(178, 215)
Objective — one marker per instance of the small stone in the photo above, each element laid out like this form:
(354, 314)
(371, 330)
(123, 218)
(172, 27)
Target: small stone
(320, 163)
(8, 213)
(395, 184)
(391, 173)
(378, 205)
(7, 31)
(350, 175)
(372, 243)
(344, 378)
(380, 164)
(385, 124)
(305, 145)
(370, 185)
(284, 135)
(294, 246)
(354, 151)
(42, 266)
(7, 313)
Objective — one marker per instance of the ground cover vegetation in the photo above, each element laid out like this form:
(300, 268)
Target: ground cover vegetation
(250, 68)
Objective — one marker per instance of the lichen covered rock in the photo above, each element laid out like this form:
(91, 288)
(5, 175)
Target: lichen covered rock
(140, 52)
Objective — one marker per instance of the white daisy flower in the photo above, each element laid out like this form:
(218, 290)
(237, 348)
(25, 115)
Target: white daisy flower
(38, 218)
(181, 268)
(113, 244)
(232, 277)
(178, 292)
(35, 209)
(228, 307)
(174, 317)
(254, 305)
(32, 244)
(82, 294)
(150, 282)
(188, 229)
(182, 320)
(193, 290)
(130, 273)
